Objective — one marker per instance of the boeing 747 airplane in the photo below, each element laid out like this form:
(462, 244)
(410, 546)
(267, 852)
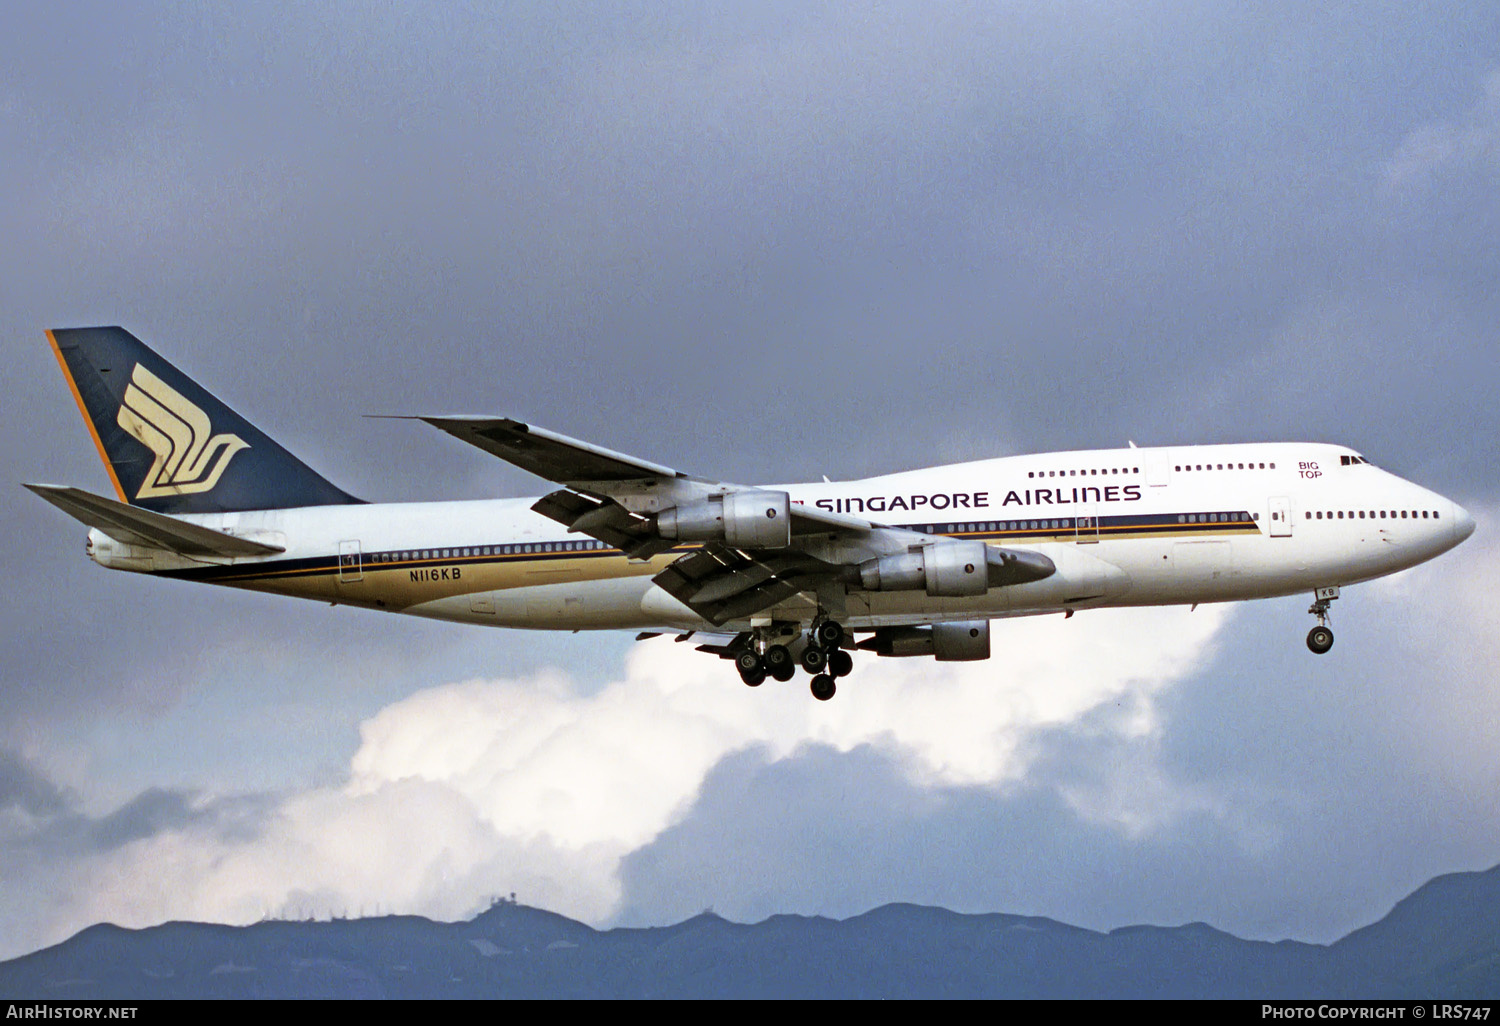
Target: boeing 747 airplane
(768, 576)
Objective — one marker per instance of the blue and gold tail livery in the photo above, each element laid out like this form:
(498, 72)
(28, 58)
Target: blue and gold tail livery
(168, 444)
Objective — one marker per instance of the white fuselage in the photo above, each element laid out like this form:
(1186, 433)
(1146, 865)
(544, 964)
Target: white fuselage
(1124, 527)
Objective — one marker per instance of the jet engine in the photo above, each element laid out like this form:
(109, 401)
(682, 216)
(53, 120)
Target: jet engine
(953, 569)
(950, 568)
(957, 642)
(752, 519)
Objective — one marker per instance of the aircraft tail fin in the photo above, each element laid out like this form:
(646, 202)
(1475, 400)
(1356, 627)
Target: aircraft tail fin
(169, 445)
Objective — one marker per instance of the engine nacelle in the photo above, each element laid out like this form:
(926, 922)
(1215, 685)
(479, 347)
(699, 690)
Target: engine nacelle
(964, 641)
(746, 520)
(943, 569)
(961, 642)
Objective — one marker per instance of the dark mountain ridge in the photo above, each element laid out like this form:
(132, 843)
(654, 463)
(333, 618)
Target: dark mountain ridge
(1440, 942)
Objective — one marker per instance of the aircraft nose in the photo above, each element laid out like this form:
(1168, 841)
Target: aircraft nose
(1463, 523)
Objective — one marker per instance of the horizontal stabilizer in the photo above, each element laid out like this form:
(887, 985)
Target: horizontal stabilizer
(135, 526)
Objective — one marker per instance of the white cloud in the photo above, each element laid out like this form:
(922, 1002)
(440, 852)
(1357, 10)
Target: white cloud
(486, 786)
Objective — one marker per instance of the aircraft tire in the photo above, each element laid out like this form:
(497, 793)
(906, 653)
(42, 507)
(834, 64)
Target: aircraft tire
(755, 679)
(785, 673)
(840, 663)
(814, 659)
(829, 634)
(748, 662)
(1320, 639)
(823, 687)
(778, 658)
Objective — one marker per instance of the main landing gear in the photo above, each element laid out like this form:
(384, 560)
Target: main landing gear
(1320, 638)
(821, 656)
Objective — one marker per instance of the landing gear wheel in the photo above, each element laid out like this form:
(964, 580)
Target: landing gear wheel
(779, 658)
(785, 673)
(755, 680)
(750, 664)
(1320, 639)
(840, 663)
(814, 659)
(828, 634)
(823, 687)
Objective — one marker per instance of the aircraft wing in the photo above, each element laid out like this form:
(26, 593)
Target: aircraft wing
(135, 526)
(548, 454)
(721, 583)
(624, 502)
(596, 478)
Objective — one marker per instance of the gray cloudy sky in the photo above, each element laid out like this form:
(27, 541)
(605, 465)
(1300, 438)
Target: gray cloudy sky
(763, 242)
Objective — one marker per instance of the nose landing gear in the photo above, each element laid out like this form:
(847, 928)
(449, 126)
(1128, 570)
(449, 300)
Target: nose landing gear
(1320, 638)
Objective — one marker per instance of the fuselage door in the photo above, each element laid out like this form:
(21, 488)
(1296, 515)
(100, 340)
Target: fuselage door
(1281, 517)
(1086, 528)
(351, 566)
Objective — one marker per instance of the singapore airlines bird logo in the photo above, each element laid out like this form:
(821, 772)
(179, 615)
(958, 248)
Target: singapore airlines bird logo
(189, 457)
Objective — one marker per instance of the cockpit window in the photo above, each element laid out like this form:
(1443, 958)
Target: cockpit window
(1349, 461)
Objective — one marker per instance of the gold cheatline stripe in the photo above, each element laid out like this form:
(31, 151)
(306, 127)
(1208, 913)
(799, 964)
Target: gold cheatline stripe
(78, 398)
(371, 568)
